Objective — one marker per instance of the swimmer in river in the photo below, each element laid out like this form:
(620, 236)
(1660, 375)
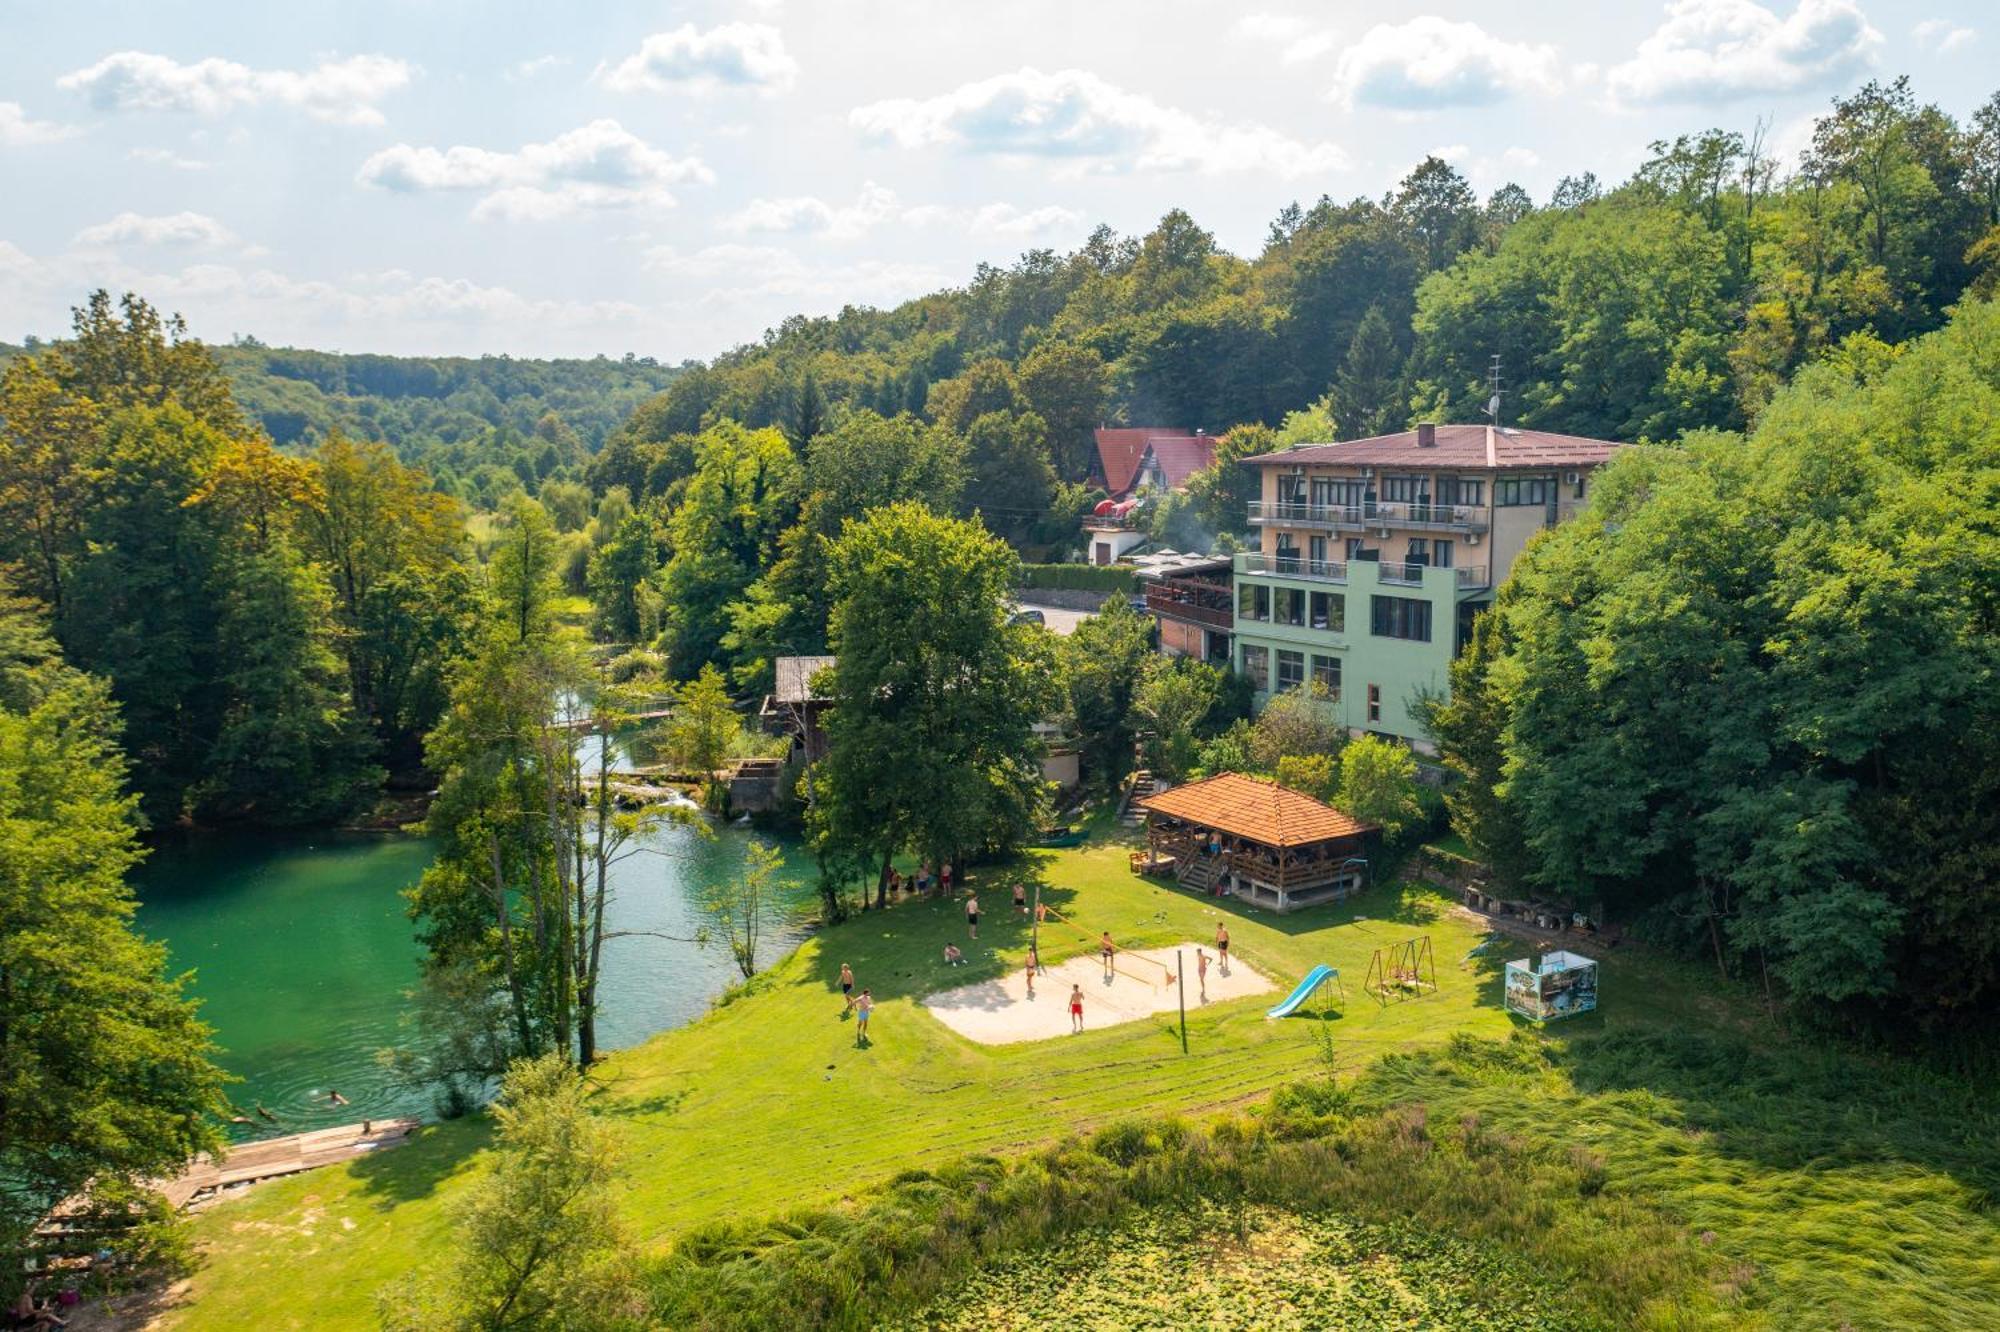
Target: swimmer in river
(335, 1098)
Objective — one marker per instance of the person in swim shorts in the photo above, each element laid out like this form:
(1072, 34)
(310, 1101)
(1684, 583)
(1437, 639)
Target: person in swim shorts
(1075, 1009)
(847, 988)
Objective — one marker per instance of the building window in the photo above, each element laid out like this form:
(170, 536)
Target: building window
(1349, 493)
(1517, 492)
(1460, 490)
(1316, 551)
(1291, 669)
(1356, 546)
(1374, 703)
(1322, 491)
(1257, 666)
(1329, 611)
(1253, 601)
(1406, 489)
(1582, 479)
(1420, 550)
(1401, 617)
(1290, 606)
(1441, 554)
(1326, 673)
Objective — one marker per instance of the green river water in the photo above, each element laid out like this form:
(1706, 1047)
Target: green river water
(302, 955)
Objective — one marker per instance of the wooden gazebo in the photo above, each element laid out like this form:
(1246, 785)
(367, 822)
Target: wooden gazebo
(1262, 842)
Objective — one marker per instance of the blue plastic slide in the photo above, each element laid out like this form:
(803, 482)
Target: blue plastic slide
(1315, 978)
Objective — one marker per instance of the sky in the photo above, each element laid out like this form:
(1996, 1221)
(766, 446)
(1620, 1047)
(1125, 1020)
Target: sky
(669, 180)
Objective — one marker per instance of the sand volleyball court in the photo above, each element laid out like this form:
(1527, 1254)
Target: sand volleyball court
(999, 1011)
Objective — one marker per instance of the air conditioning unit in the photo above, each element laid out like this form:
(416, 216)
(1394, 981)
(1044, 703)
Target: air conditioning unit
(1472, 538)
(1572, 478)
(1367, 472)
(1382, 533)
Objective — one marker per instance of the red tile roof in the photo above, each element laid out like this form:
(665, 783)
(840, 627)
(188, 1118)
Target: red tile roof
(1121, 451)
(1457, 447)
(1181, 456)
(1250, 807)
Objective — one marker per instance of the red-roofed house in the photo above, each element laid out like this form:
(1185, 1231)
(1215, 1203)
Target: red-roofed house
(1132, 463)
(1150, 458)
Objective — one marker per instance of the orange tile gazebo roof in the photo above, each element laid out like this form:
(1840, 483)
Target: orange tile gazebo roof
(1261, 811)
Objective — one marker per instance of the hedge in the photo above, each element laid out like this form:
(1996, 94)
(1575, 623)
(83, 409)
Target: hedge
(1080, 577)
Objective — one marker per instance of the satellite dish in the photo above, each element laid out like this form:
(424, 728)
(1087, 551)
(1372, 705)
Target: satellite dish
(1493, 406)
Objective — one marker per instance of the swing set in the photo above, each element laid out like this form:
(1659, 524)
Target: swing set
(1402, 970)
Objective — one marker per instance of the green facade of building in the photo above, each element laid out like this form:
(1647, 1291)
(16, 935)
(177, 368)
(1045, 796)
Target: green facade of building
(1379, 636)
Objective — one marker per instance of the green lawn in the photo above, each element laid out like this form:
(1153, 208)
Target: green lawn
(767, 1103)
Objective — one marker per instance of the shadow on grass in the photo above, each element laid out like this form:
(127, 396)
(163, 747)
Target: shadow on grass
(1805, 1104)
(439, 1151)
(658, 1104)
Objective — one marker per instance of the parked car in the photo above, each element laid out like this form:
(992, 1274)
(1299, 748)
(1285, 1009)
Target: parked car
(1028, 616)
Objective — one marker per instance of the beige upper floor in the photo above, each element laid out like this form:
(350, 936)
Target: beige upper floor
(1465, 496)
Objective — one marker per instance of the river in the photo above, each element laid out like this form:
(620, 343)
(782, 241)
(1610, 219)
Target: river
(302, 954)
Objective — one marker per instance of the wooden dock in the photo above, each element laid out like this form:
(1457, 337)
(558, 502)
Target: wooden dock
(268, 1158)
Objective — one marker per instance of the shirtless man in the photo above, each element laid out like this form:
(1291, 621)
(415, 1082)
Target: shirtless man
(1222, 945)
(1201, 972)
(847, 988)
(1075, 1009)
(1109, 950)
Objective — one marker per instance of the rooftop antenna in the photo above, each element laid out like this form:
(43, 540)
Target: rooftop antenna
(1493, 390)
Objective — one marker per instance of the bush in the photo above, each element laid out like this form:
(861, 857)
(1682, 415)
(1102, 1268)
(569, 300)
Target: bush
(1078, 577)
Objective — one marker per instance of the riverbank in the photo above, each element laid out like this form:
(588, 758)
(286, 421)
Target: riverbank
(768, 1104)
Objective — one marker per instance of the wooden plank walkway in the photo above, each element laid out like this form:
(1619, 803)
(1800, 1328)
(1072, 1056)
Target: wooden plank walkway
(268, 1158)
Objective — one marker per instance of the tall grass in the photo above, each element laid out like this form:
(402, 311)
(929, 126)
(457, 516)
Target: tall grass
(853, 1267)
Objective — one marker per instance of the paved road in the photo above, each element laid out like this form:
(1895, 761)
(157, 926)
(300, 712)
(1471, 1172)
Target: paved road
(1055, 618)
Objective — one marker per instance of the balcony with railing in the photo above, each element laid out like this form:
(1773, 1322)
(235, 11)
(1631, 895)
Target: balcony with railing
(1418, 517)
(1292, 566)
(1198, 603)
(1467, 577)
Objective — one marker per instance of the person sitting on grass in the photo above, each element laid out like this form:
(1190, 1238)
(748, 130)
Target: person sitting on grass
(28, 1312)
(952, 957)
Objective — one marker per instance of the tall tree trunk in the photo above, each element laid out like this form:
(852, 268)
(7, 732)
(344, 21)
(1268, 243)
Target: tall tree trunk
(587, 989)
(882, 879)
(505, 922)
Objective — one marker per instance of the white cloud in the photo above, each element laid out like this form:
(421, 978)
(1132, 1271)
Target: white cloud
(17, 131)
(733, 55)
(599, 165)
(184, 230)
(1941, 37)
(877, 204)
(1430, 63)
(1522, 158)
(167, 157)
(529, 69)
(1297, 38)
(1077, 117)
(1715, 50)
(342, 92)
